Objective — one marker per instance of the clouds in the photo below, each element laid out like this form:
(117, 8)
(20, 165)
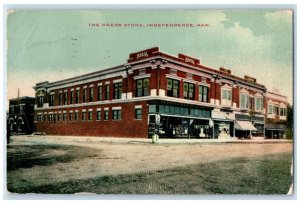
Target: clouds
(253, 42)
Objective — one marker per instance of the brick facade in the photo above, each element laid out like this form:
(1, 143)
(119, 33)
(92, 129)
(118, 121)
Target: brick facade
(144, 80)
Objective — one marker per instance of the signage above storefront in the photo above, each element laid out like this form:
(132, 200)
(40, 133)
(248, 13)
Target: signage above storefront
(250, 79)
(188, 59)
(143, 54)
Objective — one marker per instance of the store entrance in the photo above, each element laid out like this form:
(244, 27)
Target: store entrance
(177, 127)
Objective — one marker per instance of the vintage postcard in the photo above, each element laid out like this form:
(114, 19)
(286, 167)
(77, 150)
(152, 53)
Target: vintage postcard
(167, 102)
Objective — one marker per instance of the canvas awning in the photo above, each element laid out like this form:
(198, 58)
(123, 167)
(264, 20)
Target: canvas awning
(244, 125)
(222, 115)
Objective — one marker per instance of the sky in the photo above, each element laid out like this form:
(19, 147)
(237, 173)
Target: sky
(50, 45)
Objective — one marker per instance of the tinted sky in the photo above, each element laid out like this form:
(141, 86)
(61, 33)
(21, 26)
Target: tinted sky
(54, 45)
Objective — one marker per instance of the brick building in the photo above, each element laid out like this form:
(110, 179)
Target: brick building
(154, 91)
(21, 115)
(276, 115)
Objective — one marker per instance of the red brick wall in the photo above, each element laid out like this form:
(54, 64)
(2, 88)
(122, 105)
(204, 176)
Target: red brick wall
(128, 126)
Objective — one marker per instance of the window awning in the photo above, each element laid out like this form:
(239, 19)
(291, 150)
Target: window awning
(244, 125)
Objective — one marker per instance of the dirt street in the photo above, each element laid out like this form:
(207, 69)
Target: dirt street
(115, 157)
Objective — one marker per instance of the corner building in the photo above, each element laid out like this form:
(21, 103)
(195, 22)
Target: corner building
(176, 96)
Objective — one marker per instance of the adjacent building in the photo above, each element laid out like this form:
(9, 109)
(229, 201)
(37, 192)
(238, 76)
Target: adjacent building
(175, 96)
(276, 115)
(21, 115)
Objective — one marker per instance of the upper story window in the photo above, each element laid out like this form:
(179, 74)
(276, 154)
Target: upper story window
(99, 93)
(60, 99)
(84, 96)
(107, 92)
(118, 90)
(77, 96)
(258, 103)
(226, 95)
(40, 101)
(91, 99)
(276, 110)
(173, 88)
(66, 98)
(270, 109)
(282, 111)
(142, 87)
(22, 108)
(203, 93)
(189, 90)
(51, 100)
(244, 99)
(72, 97)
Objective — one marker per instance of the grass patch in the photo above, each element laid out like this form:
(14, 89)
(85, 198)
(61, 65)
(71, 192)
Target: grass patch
(27, 156)
(269, 174)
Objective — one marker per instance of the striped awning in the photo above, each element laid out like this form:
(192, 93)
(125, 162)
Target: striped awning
(244, 125)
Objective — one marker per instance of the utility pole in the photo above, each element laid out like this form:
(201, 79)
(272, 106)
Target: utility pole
(18, 110)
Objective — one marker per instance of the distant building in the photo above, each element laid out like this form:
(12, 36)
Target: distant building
(276, 115)
(21, 115)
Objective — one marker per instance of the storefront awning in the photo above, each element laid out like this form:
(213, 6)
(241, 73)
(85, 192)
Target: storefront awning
(222, 115)
(244, 125)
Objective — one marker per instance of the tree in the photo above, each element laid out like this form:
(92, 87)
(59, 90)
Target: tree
(289, 121)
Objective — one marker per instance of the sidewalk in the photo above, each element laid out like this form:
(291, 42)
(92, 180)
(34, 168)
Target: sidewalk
(88, 139)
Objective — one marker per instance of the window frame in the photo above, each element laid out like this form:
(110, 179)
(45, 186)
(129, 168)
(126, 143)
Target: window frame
(244, 105)
(144, 89)
(226, 101)
(188, 93)
(99, 93)
(201, 94)
(138, 116)
(118, 90)
(107, 87)
(170, 88)
(91, 94)
(106, 114)
(117, 114)
(261, 103)
(84, 92)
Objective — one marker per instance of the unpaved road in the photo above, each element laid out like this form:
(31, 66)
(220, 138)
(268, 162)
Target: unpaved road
(114, 157)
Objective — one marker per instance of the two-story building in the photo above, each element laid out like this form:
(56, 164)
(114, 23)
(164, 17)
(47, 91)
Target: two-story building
(21, 115)
(176, 96)
(276, 115)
